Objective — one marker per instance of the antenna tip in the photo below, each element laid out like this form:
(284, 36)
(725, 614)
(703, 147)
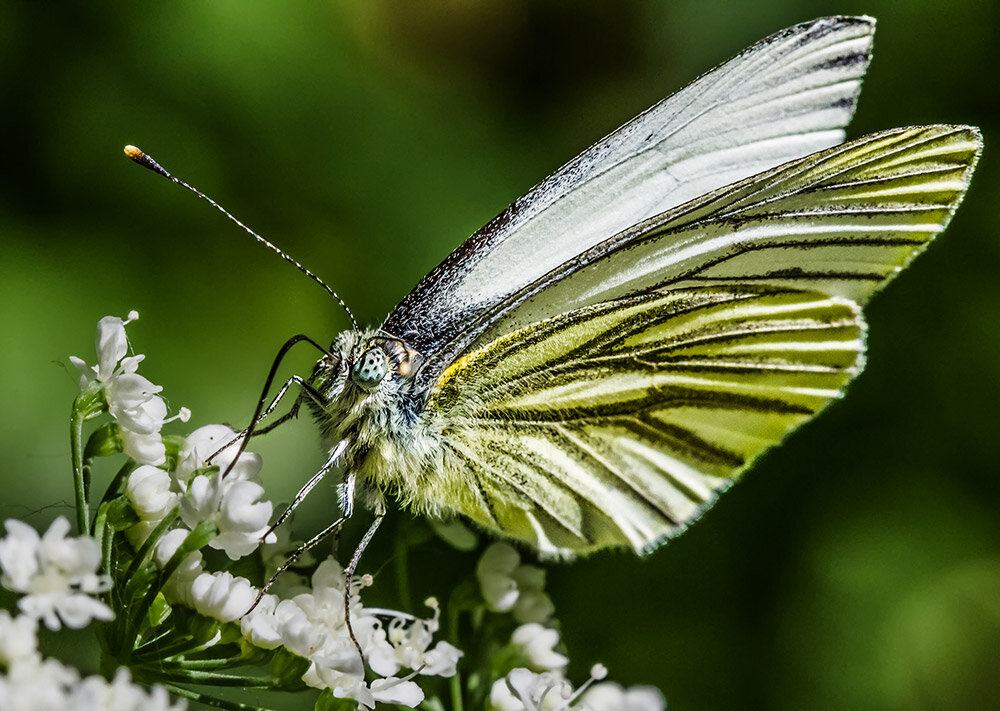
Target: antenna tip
(137, 155)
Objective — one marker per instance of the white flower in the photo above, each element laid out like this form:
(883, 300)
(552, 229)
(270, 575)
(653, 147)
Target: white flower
(262, 626)
(524, 690)
(442, 660)
(38, 685)
(55, 574)
(148, 489)
(538, 643)
(222, 596)
(406, 642)
(234, 507)
(396, 691)
(48, 685)
(18, 638)
(313, 625)
(206, 441)
(132, 399)
(609, 696)
(112, 345)
(120, 694)
(178, 586)
(508, 586)
(495, 573)
(242, 519)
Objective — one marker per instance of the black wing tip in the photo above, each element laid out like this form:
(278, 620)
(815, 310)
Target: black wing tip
(833, 22)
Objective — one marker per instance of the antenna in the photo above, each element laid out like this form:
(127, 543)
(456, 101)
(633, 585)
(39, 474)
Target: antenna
(136, 155)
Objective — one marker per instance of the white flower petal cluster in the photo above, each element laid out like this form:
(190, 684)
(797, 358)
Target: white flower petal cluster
(537, 643)
(132, 399)
(222, 595)
(508, 586)
(179, 587)
(18, 639)
(30, 683)
(313, 626)
(56, 575)
(525, 690)
(234, 502)
(610, 696)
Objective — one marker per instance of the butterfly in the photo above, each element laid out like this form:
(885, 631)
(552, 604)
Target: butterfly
(591, 368)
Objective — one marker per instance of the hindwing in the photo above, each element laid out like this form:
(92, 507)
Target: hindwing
(617, 424)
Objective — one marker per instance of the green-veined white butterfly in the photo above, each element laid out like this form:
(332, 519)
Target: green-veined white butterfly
(595, 364)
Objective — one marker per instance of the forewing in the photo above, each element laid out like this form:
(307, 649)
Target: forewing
(617, 424)
(842, 221)
(787, 96)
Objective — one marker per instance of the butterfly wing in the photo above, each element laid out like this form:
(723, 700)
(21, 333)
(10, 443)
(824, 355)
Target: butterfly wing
(842, 221)
(685, 346)
(785, 97)
(616, 424)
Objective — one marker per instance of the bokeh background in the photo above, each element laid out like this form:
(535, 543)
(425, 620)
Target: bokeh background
(857, 567)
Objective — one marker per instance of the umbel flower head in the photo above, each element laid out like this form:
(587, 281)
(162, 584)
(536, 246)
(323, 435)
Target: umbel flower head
(180, 614)
(132, 400)
(28, 682)
(56, 576)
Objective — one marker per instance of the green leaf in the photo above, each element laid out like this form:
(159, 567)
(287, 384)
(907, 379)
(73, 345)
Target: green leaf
(118, 513)
(105, 441)
(91, 401)
(328, 702)
(288, 668)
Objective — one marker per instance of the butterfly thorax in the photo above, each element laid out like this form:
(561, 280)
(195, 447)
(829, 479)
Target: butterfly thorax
(370, 400)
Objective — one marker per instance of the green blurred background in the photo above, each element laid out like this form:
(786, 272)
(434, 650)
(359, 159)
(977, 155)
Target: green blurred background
(857, 567)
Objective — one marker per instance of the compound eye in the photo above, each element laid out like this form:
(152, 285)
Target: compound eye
(369, 370)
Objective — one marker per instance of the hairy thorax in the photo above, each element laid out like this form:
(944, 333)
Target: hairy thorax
(368, 401)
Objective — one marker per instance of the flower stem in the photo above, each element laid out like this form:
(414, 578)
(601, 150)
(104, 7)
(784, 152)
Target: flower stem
(81, 479)
(456, 680)
(90, 403)
(211, 700)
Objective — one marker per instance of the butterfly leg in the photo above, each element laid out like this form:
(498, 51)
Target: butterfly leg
(347, 509)
(316, 479)
(353, 566)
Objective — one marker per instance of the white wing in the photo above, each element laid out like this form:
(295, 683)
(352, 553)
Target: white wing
(783, 98)
(842, 222)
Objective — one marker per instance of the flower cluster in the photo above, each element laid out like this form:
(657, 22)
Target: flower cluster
(227, 493)
(313, 625)
(29, 682)
(185, 616)
(234, 502)
(131, 399)
(508, 586)
(524, 690)
(56, 575)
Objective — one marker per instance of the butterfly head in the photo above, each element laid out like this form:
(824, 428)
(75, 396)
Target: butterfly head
(367, 363)
(365, 389)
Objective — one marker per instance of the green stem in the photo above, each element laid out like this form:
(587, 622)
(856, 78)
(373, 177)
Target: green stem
(211, 700)
(195, 664)
(81, 479)
(199, 537)
(194, 676)
(456, 681)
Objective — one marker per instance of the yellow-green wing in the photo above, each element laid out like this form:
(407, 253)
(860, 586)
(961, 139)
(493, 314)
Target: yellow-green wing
(842, 221)
(617, 424)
